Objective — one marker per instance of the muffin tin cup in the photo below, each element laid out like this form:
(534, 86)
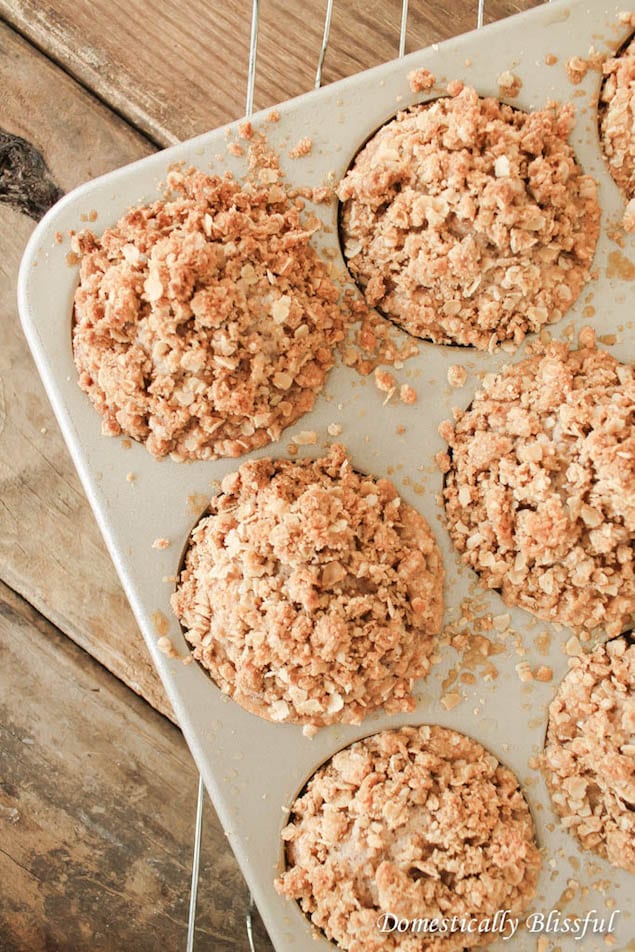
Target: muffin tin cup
(254, 769)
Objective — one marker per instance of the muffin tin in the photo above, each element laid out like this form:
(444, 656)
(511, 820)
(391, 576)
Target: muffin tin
(254, 769)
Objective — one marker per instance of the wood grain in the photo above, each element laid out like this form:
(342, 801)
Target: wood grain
(51, 550)
(176, 70)
(97, 804)
(25, 181)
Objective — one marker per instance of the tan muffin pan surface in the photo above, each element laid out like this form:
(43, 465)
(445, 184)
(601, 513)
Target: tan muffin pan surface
(254, 769)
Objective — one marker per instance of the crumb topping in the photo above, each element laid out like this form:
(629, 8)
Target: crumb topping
(589, 756)
(205, 323)
(311, 593)
(466, 221)
(539, 491)
(617, 120)
(419, 822)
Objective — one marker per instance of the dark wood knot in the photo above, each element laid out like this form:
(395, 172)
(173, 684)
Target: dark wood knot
(25, 181)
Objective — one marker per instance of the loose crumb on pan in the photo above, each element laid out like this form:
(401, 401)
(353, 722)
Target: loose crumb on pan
(166, 647)
(385, 381)
(421, 79)
(303, 147)
(375, 341)
(617, 124)
(466, 221)
(576, 68)
(419, 822)
(235, 149)
(205, 322)
(457, 375)
(509, 84)
(589, 756)
(539, 486)
(161, 543)
(451, 700)
(524, 672)
(305, 438)
(407, 394)
(543, 673)
(311, 593)
(468, 635)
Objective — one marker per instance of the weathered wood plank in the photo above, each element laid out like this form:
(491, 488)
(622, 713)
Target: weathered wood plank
(182, 72)
(97, 802)
(51, 550)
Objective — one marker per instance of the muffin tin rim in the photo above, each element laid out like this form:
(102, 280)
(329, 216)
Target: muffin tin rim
(88, 458)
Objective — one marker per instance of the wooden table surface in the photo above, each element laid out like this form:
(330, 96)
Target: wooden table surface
(97, 789)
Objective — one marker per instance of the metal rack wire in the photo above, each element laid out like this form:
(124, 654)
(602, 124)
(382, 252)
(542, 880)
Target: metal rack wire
(249, 104)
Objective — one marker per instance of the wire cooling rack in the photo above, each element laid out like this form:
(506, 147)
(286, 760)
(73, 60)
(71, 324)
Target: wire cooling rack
(249, 105)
